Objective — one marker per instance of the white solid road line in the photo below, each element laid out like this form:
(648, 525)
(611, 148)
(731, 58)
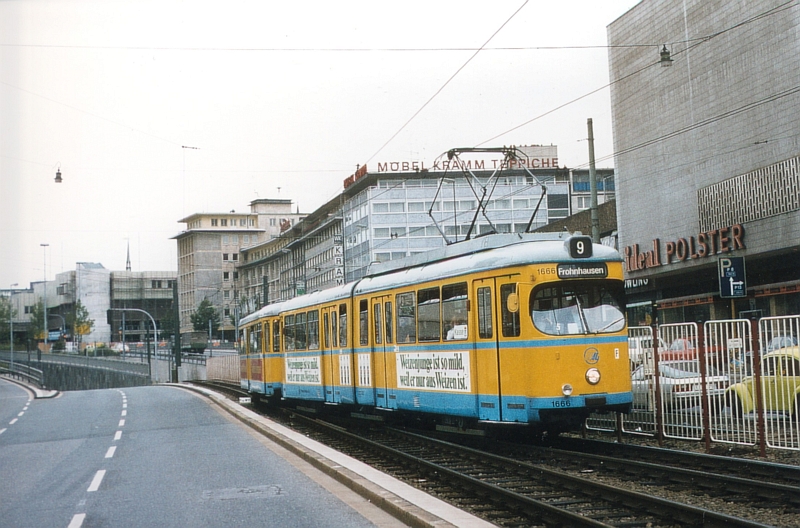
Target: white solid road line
(98, 478)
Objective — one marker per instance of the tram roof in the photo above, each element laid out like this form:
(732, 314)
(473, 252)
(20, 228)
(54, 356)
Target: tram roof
(480, 255)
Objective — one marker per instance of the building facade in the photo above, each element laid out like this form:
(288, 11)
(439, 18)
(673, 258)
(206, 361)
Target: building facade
(387, 215)
(209, 250)
(98, 290)
(707, 157)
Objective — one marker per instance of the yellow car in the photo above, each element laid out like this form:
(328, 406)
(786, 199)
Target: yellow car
(780, 379)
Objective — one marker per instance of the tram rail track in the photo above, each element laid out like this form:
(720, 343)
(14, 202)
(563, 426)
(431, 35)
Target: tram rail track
(576, 484)
(508, 491)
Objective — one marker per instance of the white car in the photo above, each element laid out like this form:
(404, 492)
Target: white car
(680, 382)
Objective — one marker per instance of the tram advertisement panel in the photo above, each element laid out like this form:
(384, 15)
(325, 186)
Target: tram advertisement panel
(304, 370)
(434, 371)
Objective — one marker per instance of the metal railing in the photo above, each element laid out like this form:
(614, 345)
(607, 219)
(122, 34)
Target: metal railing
(729, 381)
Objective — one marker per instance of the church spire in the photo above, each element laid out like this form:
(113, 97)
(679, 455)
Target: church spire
(128, 262)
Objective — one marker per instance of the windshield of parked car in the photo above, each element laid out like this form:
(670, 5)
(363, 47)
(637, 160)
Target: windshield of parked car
(568, 308)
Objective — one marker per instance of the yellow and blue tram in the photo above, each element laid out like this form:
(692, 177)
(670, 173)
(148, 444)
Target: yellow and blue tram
(522, 328)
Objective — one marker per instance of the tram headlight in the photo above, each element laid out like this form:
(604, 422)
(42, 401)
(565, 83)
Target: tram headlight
(593, 376)
(566, 389)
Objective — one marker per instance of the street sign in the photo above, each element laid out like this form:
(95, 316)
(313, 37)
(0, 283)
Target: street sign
(732, 280)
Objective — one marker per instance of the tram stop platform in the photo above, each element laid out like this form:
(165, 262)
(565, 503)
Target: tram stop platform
(409, 505)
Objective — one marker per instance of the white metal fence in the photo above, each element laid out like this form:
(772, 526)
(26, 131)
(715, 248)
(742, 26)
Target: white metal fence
(719, 380)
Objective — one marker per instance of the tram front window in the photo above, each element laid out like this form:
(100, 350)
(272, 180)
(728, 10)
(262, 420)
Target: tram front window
(589, 307)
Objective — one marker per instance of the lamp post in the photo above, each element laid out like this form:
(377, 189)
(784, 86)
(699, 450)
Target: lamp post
(11, 323)
(44, 302)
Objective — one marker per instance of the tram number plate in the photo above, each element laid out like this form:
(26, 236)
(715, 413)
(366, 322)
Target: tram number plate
(561, 403)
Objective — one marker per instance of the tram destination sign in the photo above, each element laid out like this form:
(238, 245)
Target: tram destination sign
(587, 270)
(732, 281)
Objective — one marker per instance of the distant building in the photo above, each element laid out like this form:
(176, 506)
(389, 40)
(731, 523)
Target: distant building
(97, 289)
(209, 250)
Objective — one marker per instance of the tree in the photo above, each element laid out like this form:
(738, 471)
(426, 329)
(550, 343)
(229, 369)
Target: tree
(37, 320)
(205, 312)
(6, 313)
(81, 322)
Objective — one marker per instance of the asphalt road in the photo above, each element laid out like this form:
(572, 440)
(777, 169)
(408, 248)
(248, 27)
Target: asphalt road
(152, 456)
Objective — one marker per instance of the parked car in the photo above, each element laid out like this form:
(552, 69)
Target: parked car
(780, 341)
(641, 347)
(680, 382)
(780, 379)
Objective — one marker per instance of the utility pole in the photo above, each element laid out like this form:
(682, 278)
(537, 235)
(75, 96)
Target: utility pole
(593, 186)
(176, 329)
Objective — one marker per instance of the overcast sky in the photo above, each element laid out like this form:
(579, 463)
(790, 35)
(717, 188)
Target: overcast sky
(279, 99)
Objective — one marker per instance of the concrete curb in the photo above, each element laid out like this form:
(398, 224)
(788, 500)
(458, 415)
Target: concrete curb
(38, 393)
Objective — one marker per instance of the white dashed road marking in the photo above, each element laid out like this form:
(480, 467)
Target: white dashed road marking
(98, 478)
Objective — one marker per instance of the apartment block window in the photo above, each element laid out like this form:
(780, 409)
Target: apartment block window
(213, 222)
(224, 257)
(226, 294)
(223, 222)
(242, 222)
(380, 208)
(273, 221)
(156, 284)
(226, 275)
(235, 257)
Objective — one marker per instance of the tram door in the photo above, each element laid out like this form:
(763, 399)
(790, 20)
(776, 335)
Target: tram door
(486, 350)
(382, 343)
(327, 344)
(494, 322)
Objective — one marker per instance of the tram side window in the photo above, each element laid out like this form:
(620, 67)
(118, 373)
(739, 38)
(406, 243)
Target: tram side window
(485, 313)
(288, 333)
(510, 320)
(276, 335)
(343, 325)
(454, 311)
(363, 322)
(428, 317)
(313, 330)
(334, 331)
(406, 318)
(327, 330)
(388, 318)
(376, 314)
(300, 331)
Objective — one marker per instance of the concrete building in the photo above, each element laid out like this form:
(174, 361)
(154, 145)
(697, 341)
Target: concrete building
(208, 254)
(97, 289)
(384, 215)
(707, 157)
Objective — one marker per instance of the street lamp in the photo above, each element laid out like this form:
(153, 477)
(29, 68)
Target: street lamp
(44, 302)
(11, 323)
